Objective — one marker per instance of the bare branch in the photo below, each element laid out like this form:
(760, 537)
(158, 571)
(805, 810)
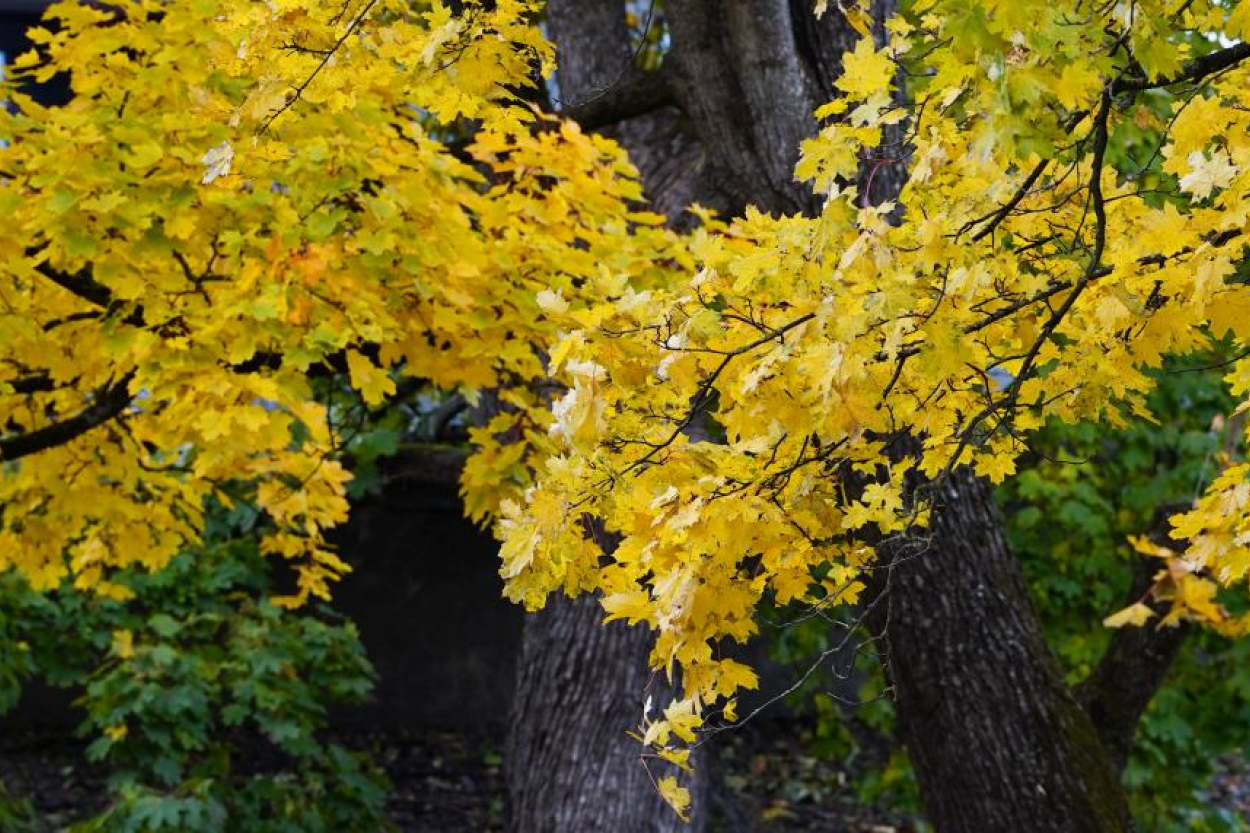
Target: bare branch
(636, 94)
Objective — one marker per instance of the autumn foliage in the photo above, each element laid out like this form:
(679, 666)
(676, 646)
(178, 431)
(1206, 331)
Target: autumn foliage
(240, 196)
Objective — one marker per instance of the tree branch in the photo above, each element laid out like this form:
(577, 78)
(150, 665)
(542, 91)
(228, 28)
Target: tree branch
(84, 285)
(110, 401)
(296, 93)
(636, 94)
(1001, 214)
(1095, 266)
(1129, 673)
(81, 283)
(1196, 70)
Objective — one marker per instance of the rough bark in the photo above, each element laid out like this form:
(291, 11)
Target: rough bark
(638, 108)
(748, 97)
(997, 739)
(570, 765)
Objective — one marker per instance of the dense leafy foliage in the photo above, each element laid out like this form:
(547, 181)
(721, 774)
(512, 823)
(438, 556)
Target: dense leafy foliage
(1033, 278)
(215, 244)
(1073, 514)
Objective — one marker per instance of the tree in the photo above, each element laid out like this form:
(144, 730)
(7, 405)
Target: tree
(938, 343)
(264, 193)
(571, 766)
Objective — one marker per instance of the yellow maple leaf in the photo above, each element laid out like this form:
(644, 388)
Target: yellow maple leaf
(677, 796)
(866, 71)
(373, 382)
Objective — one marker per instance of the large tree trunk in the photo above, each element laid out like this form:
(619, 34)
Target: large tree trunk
(997, 739)
(570, 766)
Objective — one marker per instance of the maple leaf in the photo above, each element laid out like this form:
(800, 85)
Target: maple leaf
(217, 162)
(866, 71)
(1077, 84)
(1208, 173)
(373, 382)
(676, 796)
(997, 467)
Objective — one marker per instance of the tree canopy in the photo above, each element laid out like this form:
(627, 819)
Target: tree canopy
(240, 196)
(190, 239)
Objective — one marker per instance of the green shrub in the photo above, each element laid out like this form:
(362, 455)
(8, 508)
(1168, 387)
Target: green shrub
(185, 685)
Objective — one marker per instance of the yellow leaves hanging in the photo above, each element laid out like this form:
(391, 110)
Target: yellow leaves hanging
(716, 422)
(200, 242)
(231, 234)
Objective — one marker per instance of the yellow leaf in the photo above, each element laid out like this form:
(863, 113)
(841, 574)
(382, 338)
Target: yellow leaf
(856, 13)
(734, 675)
(1135, 615)
(997, 467)
(373, 382)
(124, 644)
(634, 606)
(677, 796)
(866, 72)
(1078, 82)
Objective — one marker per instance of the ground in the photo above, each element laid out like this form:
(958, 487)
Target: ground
(451, 782)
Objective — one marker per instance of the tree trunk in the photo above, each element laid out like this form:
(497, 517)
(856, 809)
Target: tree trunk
(570, 766)
(997, 739)
(1133, 666)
